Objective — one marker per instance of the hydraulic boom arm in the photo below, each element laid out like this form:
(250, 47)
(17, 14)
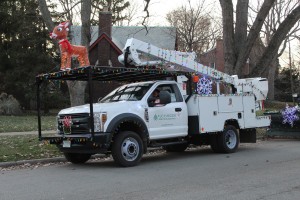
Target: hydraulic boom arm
(135, 49)
(139, 53)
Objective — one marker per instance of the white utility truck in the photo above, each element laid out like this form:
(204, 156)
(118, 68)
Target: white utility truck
(187, 111)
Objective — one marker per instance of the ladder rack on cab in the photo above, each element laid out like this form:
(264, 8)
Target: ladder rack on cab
(103, 73)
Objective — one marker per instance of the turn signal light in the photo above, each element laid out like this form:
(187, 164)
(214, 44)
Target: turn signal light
(103, 117)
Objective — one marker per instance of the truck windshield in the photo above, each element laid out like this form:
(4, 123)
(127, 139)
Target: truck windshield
(127, 93)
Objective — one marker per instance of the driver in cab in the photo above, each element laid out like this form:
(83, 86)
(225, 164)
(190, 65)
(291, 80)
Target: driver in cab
(154, 98)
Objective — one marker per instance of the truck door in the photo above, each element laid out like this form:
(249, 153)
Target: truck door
(167, 120)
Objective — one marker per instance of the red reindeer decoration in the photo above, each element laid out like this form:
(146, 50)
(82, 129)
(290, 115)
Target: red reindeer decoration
(68, 50)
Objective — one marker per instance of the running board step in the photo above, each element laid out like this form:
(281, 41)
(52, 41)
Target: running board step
(159, 144)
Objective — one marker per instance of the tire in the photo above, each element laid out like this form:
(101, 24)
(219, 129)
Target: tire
(228, 140)
(176, 148)
(213, 140)
(127, 149)
(77, 158)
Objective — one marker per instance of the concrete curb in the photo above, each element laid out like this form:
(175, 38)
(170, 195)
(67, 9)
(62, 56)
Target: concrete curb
(54, 160)
(32, 162)
(42, 161)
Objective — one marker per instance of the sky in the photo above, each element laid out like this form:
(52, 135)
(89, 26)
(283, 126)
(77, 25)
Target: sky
(158, 9)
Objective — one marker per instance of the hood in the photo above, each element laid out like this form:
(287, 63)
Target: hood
(103, 107)
(77, 109)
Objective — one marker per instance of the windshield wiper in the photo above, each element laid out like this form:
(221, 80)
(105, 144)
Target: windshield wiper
(120, 90)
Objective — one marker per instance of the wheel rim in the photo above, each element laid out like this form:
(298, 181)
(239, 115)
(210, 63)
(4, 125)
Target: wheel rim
(130, 149)
(230, 139)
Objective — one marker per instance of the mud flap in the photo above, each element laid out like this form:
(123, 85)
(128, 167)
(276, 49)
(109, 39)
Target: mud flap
(248, 135)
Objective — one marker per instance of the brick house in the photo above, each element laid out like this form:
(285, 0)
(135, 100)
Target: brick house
(214, 58)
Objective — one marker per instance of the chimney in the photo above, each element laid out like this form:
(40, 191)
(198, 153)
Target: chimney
(104, 48)
(105, 21)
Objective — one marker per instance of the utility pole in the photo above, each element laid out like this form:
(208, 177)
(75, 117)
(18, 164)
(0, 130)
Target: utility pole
(291, 74)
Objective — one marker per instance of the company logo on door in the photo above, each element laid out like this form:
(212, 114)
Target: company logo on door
(164, 116)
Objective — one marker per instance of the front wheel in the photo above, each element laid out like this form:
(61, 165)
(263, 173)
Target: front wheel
(127, 149)
(228, 140)
(77, 158)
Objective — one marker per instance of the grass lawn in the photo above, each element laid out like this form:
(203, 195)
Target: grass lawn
(25, 147)
(26, 123)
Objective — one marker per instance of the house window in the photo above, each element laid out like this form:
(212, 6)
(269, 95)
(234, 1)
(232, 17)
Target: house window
(212, 65)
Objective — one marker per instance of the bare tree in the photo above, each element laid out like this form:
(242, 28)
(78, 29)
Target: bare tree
(281, 26)
(195, 28)
(130, 14)
(76, 88)
(278, 12)
(116, 7)
(235, 60)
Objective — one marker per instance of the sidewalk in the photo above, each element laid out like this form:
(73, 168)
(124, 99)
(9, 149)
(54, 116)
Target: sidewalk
(26, 133)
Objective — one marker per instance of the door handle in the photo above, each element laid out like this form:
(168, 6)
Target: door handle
(178, 109)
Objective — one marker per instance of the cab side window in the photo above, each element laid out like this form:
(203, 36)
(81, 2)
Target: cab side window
(173, 90)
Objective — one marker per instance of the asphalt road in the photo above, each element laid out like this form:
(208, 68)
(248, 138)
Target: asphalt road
(266, 170)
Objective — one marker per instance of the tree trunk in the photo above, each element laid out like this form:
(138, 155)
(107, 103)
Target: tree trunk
(77, 92)
(46, 14)
(272, 50)
(253, 35)
(228, 36)
(77, 88)
(271, 79)
(86, 9)
(241, 25)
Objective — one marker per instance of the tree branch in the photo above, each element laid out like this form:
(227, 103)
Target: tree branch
(147, 14)
(278, 37)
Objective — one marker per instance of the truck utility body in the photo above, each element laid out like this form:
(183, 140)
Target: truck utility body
(129, 119)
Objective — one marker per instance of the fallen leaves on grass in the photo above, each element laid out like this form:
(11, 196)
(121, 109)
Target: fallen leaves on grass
(25, 147)
(26, 123)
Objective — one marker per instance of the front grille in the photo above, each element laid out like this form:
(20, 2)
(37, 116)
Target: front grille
(79, 123)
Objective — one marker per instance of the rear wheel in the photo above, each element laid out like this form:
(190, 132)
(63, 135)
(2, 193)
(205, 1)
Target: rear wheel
(127, 149)
(77, 158)
(228, 140)
(176, 148)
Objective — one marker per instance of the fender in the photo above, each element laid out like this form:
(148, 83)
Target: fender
(129, 117)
